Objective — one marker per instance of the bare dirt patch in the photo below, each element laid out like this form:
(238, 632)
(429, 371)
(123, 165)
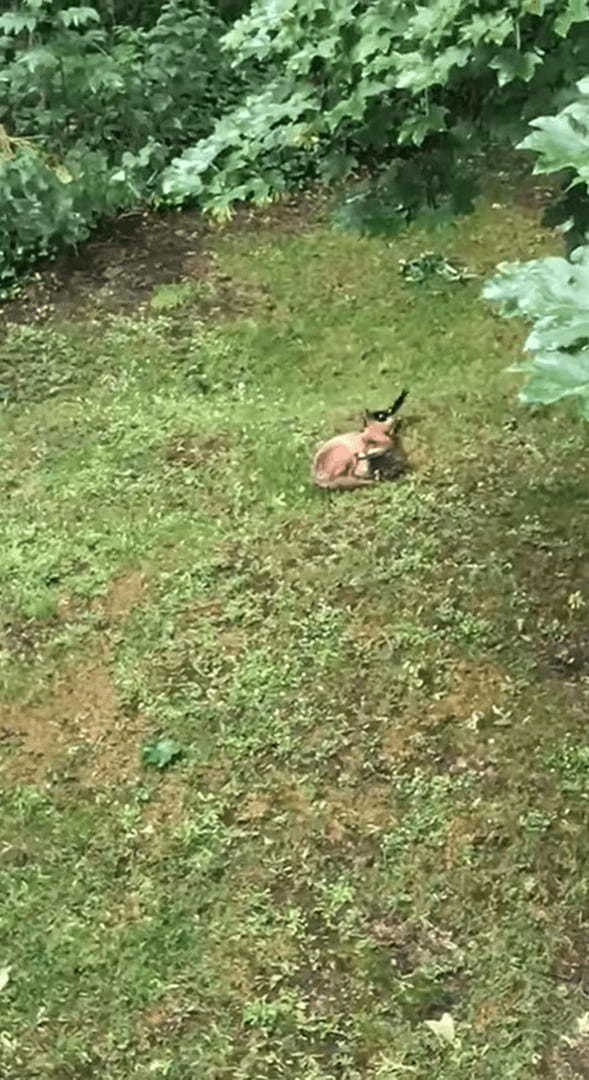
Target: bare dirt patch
(167, 806)
(397, 739)
(118, 269)
(79, 731)
(569, 657)
(368, 809)
(474, 688)
(125, 593)
(415, 943)
(163, 1020)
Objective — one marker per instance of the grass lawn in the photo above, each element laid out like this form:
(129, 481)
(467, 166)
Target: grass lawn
(379, 815)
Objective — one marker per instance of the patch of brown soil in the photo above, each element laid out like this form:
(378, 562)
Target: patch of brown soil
(79, 728)
(296, 802)
(416, 943)
(461, 833)
(118, 269)
(397, 738)
(124, 593)
(567, 1061)
(290, 214)
(569, 657)
(23, 638)
(254, 807)
(70, 607)
(476, 688)
(163, 1020)
(280, 799)
(572, 964)
(370, 631)
(493, 1010)
(167, 807)
(368, 809)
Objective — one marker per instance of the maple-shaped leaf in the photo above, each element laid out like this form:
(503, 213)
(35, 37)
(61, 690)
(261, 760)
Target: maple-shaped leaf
(576, 11)
(512, 64)
(554, 293)
(443, 1028)
(562, 141)
(555, 375)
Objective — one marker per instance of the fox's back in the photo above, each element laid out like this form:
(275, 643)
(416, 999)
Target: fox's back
(335, 454)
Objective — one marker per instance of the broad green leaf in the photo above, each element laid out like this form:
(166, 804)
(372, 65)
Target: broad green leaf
(38, 58)
(14, 22)
(443, 1028)
(430, 22)
(78, 16)
(554, 293)
(511, 64)
(556, 375)
(561, 141)
(417, 71)
(576, 11)
(415, 128)
(494, 27)
(161, 753)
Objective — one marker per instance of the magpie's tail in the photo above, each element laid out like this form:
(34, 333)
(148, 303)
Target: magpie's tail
(397, 403)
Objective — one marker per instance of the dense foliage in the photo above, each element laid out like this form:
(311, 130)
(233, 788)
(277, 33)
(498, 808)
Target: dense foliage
(113, 104)
(346, 83)
(91, 111)
(554, 292)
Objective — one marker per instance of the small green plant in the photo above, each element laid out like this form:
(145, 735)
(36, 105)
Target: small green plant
(161, 752)
(570, 766)
(430, 264)
(172, 296)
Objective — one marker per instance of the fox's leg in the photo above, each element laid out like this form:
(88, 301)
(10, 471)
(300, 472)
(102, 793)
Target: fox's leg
(360, 467)
(349, 471)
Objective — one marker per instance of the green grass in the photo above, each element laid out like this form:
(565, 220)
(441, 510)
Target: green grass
(380, 810)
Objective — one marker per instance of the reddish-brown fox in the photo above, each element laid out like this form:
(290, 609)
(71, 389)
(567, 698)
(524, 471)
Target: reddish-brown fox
(351, 460)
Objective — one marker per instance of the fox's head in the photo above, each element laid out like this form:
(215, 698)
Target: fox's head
(377, 433)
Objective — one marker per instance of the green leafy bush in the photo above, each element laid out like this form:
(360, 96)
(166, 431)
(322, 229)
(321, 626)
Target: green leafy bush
(342, 84)
(109, 94)
(69, 78)
(562, 145)
(43, 208)
(554, 292)
(424, 186)
(91, 111)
